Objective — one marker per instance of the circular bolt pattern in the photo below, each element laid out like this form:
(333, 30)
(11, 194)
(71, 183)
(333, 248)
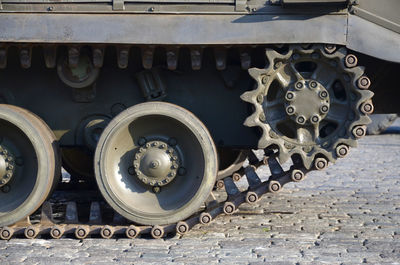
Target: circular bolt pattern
(7, 167)
(367, 108)
(350, 61)
(320, 163)
(359, 131)
(205, 218)
(297, 175)
(342, 150)
(363, 83)
(156, 163)
(229, 208)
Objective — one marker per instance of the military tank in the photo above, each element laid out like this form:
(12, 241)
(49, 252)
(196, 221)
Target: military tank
(159, 106)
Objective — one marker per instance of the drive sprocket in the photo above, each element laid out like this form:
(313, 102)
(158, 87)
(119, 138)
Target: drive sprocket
(311, 101)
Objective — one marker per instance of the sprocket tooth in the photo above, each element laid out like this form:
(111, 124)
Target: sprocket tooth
(366, 95)
(264, 141)
(248, 96)
(342, 51)
(271, 54)
(255, 72)
(283, 156)
(250, 121)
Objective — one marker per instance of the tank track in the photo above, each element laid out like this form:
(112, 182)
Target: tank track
(70, 226)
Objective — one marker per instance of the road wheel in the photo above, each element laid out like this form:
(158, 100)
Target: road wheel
(29, 163)
(156, 163)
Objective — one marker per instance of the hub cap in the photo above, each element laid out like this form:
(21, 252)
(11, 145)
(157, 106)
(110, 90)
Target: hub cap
(156, 163)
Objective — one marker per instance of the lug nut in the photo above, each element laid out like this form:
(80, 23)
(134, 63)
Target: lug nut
(330, 48)
(299, 85)
(297, 175)
(323, 94)
(274, 186)
(301, 120)
(324, 109)
(81, 232)
(289, 95)
(367, 108)
(290, 110)
(320, 163)
(172, 141)
(5, 189)
(363, 83)
(351, 61)
(342, 150)
(313, 84)
(359, 131)
(315, 119)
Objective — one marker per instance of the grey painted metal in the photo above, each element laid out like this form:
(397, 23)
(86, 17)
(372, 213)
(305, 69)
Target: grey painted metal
(172, 29)
(372, 39)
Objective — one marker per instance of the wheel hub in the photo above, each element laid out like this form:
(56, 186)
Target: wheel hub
(156, 163)
(6, 165)
(307, 101)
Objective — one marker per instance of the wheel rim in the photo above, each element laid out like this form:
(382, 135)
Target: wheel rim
(156, 163)
(25, 141)
(230, 161)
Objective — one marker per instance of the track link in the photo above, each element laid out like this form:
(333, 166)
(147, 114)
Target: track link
(71, 226)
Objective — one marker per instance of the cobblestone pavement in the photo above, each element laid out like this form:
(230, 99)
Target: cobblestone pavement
(347, 214)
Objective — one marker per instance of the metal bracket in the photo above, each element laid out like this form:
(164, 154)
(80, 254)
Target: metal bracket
(240, 5)
(118, 5)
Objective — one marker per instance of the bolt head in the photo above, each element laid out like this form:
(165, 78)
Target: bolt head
(260, 98)
(363, 83)
(315, 119)
(301, 120)
(297, 175)
(320, 163)
(350, 61)
(298, 85)
(367, 108)
(342, 150)
(290, 110)
(323, 94)
(330, 48)
(359, 131)
(324, 109)
(313, 84)
(289, 96)
(156, 189)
